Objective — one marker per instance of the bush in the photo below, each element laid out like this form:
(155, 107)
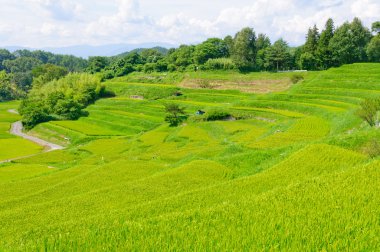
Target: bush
(372, 148)
(172, 68)
(295, 78)
(368, 111)
(220, 64)
(217, 115)
(33, 115)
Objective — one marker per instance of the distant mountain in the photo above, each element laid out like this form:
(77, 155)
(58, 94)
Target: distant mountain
(86, 51)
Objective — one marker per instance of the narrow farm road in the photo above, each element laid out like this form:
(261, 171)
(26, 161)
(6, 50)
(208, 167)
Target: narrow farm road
(16, 129)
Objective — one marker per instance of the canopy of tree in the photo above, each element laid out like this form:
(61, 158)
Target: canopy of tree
(60, 99)
(22, 62)
(246, 51)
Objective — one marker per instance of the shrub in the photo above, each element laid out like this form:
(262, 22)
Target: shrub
(295, 78)
(220, 64)
(372, 148)
(368, 110)
(217, 115)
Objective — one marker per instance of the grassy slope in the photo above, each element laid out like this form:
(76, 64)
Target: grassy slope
(291, 177)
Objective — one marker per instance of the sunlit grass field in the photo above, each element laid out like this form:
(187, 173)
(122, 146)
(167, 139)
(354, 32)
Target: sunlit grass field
(290, 174)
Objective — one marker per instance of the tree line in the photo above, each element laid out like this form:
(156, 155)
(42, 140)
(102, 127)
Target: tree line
(333, 46)
(18, 70)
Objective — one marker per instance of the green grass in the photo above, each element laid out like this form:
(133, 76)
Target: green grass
(292, 174)
(11, 146)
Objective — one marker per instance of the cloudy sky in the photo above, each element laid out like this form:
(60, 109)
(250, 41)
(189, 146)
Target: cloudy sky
(41, 23)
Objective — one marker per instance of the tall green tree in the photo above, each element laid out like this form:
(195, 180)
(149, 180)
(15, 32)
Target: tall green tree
(349, 43)
(308, 59)
(97, 63)
(8, 90)
(376, 27)
(5, 55)
(373, 49)
(229, 41)
(46, 73)
(210, 49)
(324, 53)
(244, 50)
(262, 43)
(278, 56)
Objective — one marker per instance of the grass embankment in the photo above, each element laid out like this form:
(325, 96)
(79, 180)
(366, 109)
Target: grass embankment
(293, 174)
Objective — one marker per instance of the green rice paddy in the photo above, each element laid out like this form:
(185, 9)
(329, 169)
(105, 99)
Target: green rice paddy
(291, 174)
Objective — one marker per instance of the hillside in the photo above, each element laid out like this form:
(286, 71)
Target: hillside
(293, 172)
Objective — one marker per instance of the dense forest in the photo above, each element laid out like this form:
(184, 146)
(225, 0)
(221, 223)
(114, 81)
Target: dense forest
(34, 75)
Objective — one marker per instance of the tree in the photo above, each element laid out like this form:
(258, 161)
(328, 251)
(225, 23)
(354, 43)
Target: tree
(175, 114)
(21, 64)
(96, 64)
(262, 43)
(368, 110)
(68, 109)
(312, 40)
(182, 56)
(229, 41)
(48, 72)
(8, 90)
(376, 27)
(349, 43)
(278, 56)
(308, 59)
(324, 53)
(60, 99)
(33, 113)
(5, 55)
(373, 49)
(210, 49)
(244, 50)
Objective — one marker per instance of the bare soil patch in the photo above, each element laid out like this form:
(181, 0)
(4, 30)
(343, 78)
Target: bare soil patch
(254, 86)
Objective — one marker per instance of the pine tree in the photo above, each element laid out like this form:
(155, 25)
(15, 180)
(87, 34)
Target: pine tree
(323, 51)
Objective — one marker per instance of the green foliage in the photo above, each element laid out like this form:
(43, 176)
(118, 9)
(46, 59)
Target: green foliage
(5, 55)
(308, 61)
(33, 113)
(8, 90)
(46, 73)
(210, 49)
(349, 43)
(376, 27)
(368, 111)
(174, 114)
(372, 148)
(220, 64)
(295, 78)
(216, 115)
(324, 53)
(96, 64)
(278, 56)
(60, 99)
(244, 49)
(373, 49)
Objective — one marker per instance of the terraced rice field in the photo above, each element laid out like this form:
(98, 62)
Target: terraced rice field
(291, 174)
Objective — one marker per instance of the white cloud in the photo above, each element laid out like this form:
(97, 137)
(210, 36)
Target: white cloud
(366, 8)
(68, 22)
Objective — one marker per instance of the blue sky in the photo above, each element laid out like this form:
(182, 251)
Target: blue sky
(41, 23)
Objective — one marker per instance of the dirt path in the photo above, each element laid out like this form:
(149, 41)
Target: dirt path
(16, 130)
